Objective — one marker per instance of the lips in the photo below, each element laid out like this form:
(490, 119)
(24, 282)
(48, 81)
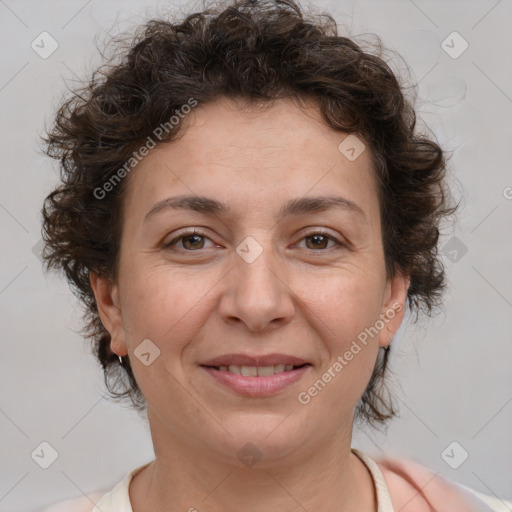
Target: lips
(256, 375)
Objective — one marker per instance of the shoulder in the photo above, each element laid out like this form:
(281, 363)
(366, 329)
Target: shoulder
(404, 493)
(416, 488)
(115, 498)
(83, 504)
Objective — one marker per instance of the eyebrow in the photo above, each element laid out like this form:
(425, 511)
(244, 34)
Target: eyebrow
(297, 206)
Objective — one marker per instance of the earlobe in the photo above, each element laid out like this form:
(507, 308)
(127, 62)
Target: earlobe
(394, 307)
(106, 294)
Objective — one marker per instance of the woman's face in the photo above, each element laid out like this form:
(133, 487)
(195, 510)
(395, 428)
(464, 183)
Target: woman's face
(273, 272)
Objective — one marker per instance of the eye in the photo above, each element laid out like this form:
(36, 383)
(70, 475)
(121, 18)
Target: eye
(319, 240)
(190, 241)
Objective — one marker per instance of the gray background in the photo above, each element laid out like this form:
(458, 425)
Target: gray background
(452, 375)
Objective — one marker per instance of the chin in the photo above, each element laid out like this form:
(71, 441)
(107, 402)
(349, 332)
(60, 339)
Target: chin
(265, 438)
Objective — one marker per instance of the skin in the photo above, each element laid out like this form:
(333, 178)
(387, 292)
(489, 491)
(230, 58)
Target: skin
(199, 299)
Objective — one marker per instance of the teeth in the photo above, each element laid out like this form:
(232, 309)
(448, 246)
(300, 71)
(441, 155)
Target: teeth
(253, 371)
(249, 371)
(234, 369)
(279, 368)
(265, 371)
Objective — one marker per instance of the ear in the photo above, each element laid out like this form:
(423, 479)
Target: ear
(106, 294)
(393, 309)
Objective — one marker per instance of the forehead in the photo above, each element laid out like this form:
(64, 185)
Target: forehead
(253, 156)
(267, 133)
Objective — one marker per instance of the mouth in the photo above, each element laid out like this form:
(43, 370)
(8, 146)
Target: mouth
(257, 376)
(257, 371)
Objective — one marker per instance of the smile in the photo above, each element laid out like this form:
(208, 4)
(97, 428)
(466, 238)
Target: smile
(257, 381)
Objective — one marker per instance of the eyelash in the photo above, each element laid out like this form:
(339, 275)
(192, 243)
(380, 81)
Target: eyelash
(196, 232)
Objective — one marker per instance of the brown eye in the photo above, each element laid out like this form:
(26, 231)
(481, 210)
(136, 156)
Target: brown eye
(194, 240)
(319, 241)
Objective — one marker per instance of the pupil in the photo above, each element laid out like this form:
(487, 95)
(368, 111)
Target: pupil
(317, 240)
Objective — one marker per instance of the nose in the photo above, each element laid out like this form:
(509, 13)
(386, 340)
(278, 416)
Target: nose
(256, 293)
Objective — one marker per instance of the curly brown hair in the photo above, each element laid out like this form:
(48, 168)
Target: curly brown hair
(255, 51)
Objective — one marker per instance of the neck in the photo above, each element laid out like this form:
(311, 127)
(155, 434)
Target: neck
(190, 478)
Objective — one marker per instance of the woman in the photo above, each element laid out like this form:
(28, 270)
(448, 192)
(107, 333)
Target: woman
(246, 212)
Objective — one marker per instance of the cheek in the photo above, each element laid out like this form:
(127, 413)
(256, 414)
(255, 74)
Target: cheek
(347, 310)
(346, 305)
(163, 305)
